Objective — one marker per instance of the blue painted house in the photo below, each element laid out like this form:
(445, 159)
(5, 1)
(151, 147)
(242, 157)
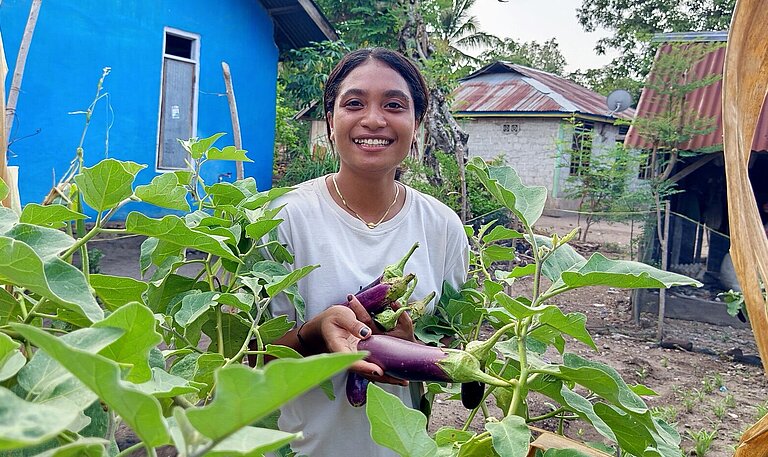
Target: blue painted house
(165, 82)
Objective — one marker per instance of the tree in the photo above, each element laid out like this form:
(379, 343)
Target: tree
(542, 56)
(634, 22)
(365, 23)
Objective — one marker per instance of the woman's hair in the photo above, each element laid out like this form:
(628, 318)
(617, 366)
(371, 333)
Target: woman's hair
(394, 60)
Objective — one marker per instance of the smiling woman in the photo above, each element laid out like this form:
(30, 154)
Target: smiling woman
(353, 223)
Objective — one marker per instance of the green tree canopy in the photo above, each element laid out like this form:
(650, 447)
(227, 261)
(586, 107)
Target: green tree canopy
(542, 56)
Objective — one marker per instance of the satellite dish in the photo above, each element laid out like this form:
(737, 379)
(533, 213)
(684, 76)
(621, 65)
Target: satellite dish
(618, 101)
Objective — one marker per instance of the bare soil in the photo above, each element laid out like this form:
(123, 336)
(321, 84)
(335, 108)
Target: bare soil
(703, 389)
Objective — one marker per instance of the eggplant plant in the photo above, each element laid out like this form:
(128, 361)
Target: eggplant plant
(81, 353)
(524, 327)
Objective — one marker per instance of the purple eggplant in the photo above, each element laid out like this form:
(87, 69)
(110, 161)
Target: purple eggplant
(387, 318)
(378, 297)
(471, 394)
(357, 387)
(392, 271)
(417, 362)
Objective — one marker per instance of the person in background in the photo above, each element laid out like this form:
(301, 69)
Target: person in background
(353, 223)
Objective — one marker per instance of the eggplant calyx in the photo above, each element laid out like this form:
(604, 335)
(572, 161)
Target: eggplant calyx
(387, 319)
(461, 366)
(395, 270)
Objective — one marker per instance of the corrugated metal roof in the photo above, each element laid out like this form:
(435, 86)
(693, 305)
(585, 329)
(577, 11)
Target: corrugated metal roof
(298, 23)
(507, 88)
(706, 101)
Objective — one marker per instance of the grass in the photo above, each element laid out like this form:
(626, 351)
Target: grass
(702, 441)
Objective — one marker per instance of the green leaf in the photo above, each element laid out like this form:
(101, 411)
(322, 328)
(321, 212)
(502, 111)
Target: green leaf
(526, 202)
(631, 434)
(193, 307)
(573, 324)
(234, 331)
(252, 442)
(83, 447)
(241, 301)
(280, 283)
(155, 252)
(224, 193)
(282, 352)
(517, 272)
(564, 453)
(602, 380)
(24, 424)
(165, 385)
(199, 368)
(228, 153)
(515, 307)
(10, 308)
(173, 230)
(8, 218)
(397, 427)
(274, 328)
(244, 395)
(3, 189)
(107, 183)
(626, 274)
(46, 242)
(448, 435)
(11, 358)
(198, 147)
(54, 279)
(116, 291)
(139, 411)
(478, 446)
(511, 437)
(585, 409)
(499, 233)
(258, 229)
(54, 216)
(164, 191)
(562, 259)
(133, 347)
(262, 198)
(496, 253)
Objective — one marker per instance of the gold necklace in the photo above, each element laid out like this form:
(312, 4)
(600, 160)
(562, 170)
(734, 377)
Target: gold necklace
(370, 225)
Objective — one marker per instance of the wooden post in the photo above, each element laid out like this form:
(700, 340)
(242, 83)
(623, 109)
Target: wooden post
(18, 70)
(3, 138)
(233, 115)
(662, 291)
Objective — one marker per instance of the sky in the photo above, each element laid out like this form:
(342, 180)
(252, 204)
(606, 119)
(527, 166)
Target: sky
(540, 20)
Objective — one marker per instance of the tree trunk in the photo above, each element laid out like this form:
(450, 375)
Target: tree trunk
(443, 132)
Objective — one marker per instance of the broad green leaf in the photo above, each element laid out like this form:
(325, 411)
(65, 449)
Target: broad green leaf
(626, 274)
(643, 391)
(116, 291)
(477, 446)
(197, 147)
(247, 186)
(499, 233)
(201, 218)
(562, 259)
(585, 409)
(447, 435)
(107, 183)
(496, 253)
(224, 193)
(280, 283)
(244, 395)
(133, 347)
(139, 411)
(241, 301)
(252, 442)
(274, 328)
(517, 308)
(200, 369)
(10, 308)
(164, 191)
(46, 242)
(526, 202)
(54, 216)
(194, 306)
(83, 447)
(173, 230)
(516, 272)
(3, 190)
(155, 252)
(573, 324)
(262, 198)
(234, 333)
(54, 279)
(282, 352)
(11, 358)
(397, 427)
(8, 218)
(161, 293)
(258, 229)
(164, 385)
(228, 153)
(24, 424)
(602, 380)
(633, 436)
(511, 437)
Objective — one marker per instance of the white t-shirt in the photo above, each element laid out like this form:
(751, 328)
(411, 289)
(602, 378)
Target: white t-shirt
(319, 232)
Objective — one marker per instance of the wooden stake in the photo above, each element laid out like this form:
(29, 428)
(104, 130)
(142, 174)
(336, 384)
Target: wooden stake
(18, 70)
(662, 291)
(3, 138)
(233, 115)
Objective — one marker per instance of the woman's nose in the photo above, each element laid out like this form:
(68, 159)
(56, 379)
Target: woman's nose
(374, 119)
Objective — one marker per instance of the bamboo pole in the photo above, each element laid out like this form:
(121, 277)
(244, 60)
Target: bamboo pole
(233, 115)
(3, 139)
(18, 70)
(664, 261)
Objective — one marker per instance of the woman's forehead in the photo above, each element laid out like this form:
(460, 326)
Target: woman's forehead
(374, 76)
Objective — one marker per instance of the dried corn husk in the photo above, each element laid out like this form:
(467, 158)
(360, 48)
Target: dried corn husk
(745, 83)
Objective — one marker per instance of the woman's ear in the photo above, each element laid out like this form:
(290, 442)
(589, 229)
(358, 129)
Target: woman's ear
(329, 120)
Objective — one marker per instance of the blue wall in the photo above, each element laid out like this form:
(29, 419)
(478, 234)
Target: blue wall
(74, 40)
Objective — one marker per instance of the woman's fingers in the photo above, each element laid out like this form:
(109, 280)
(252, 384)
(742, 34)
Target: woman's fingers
(360, 312)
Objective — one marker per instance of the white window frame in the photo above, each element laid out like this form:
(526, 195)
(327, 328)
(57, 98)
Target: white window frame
(195, 60)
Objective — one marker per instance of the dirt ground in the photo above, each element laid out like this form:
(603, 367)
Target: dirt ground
(701, 391)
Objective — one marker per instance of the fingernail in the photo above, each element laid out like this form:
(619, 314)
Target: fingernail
(349, 297)
(365, 331)
(376, 373)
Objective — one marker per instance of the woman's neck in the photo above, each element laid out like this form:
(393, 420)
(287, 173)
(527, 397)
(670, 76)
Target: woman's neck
(368, 196)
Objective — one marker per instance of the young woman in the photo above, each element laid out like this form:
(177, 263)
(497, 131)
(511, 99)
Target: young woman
(353, 223)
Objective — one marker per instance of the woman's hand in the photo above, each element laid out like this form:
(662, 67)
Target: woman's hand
(403, 329)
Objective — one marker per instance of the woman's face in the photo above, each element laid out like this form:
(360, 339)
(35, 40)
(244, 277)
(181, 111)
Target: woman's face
(373, 122)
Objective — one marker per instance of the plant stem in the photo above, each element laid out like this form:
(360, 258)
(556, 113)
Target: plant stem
(129, 450)
(219, 330)
(31, 314)
(545, 416)
(522, 352)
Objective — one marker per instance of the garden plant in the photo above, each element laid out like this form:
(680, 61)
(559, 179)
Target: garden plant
(81, 353)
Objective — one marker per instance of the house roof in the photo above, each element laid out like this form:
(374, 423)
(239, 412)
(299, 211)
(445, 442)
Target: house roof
(506, 89)
(298, 23)
(706, 101)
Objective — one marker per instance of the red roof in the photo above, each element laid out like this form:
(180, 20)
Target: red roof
(504, 88)
(706, 101)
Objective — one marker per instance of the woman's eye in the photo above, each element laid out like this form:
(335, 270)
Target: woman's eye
(353, 104)
(395, 105)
